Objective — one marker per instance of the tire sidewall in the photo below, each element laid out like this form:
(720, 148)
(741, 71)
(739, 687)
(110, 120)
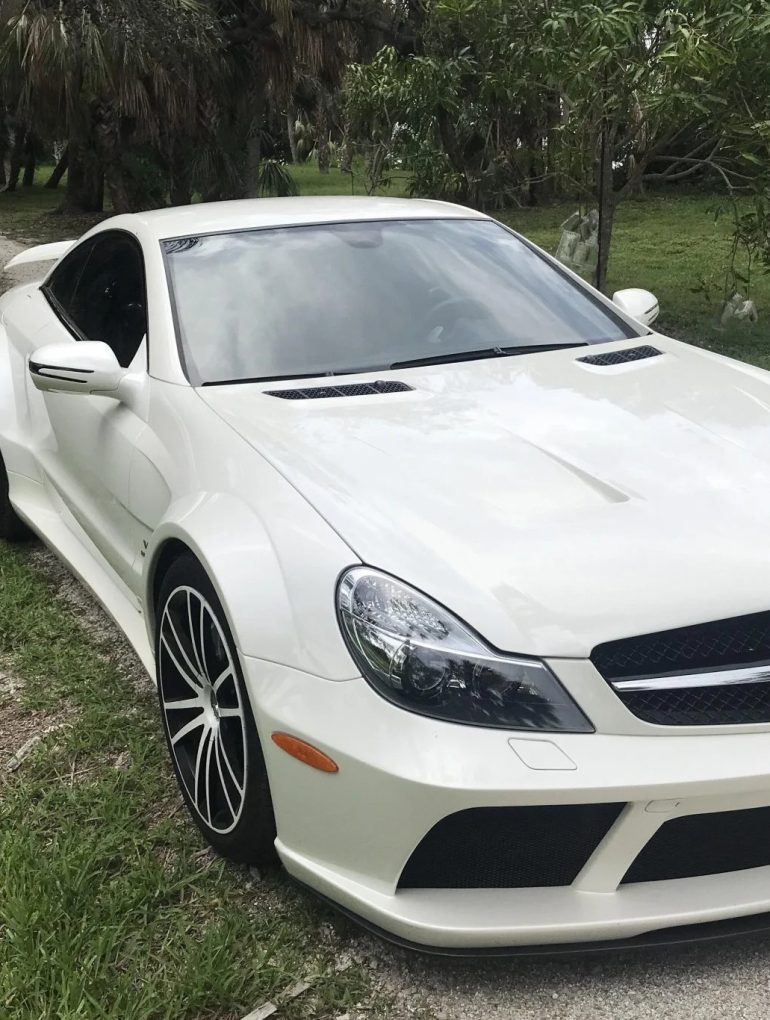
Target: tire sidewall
(251, 841)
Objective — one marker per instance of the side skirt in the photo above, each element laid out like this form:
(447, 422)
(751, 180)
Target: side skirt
(69, 542)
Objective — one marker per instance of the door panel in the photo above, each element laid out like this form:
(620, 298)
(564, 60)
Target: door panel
(84, 444)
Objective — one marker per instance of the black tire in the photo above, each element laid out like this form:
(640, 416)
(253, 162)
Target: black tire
(12, 528)
(219, 762)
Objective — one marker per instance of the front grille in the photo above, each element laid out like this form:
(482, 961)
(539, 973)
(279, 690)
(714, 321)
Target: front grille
(347, 390)
(702, 706)
(703, 648)
(739, 641)
(705, 845)
(621, 357)
(508, 848)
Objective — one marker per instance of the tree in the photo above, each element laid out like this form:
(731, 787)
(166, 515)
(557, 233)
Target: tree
(638, 77)
(512, 100)
(106, 70)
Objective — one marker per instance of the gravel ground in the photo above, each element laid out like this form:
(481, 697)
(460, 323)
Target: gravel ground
(23, 274)
(716, 980)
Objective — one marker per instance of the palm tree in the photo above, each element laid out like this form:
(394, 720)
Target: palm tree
(106, 70)
(270, 47)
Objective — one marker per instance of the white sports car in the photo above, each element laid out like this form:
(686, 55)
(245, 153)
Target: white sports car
(454, 576)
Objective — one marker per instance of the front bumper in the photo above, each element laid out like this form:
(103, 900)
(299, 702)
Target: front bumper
(349, 835)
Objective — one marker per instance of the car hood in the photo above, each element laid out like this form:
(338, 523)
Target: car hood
(550, 503)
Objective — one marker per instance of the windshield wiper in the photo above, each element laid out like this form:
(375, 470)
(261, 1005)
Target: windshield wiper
(484, 352)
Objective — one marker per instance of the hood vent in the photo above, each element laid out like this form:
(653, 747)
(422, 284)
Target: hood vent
(620, 357)
(348, 390)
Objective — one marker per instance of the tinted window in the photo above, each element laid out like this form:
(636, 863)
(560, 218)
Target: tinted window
(104, 299)
(67, 274)
(339, 298)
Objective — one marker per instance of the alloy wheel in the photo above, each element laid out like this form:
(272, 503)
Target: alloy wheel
(204, 714)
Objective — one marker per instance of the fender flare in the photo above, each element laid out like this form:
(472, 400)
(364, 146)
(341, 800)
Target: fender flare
(261, 605)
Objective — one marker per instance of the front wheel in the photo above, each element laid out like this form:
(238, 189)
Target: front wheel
(207, 718)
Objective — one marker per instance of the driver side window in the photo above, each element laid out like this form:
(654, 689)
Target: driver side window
(99, 293)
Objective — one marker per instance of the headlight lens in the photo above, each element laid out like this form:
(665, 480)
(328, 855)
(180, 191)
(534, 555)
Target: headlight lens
(419, 656)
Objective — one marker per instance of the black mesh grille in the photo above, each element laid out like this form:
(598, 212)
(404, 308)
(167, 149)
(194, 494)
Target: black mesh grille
(619, 357)
(348, 390)
(739, 641)
(508, 848)
(705, 845)
(704, 647)
(702, 706)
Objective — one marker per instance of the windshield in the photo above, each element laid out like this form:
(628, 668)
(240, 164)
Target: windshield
(352, 297)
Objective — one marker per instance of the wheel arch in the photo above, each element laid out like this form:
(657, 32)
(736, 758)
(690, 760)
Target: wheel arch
(167, 553)
(278, 602)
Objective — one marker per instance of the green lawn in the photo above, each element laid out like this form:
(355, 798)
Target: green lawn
(669, 244)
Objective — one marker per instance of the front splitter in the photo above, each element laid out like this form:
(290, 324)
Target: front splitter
(708, 931)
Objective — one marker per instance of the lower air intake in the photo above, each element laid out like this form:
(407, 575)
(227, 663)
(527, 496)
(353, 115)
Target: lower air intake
(509, 848)
(705, 845)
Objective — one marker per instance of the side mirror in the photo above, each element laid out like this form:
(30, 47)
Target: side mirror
(87, 366)
(639, 304)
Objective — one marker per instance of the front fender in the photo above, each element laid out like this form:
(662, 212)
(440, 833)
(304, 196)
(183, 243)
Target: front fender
(277, 585)
(17, 426)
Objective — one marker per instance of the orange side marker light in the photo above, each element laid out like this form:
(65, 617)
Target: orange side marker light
(305, 752)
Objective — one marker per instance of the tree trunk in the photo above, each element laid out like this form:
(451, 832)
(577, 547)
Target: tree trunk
(291, 117)
(110, 147)
(607, 201)
(346, 149)
(59, 170)
(180, 182)
(85, 177)
(3, 146)
(253, 159)
(176, 155)
(30, 160)
(322, 132)
(17, 157)
(256, 110)
(451, 146)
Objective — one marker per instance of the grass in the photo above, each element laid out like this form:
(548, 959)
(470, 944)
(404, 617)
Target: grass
(110, 905)
(668, 244)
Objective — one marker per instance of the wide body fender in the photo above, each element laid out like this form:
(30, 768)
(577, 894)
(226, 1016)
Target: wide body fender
(277, 586)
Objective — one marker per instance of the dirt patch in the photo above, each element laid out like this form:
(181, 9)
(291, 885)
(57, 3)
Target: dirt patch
(112, 646)
(21, 729)
(21, 274)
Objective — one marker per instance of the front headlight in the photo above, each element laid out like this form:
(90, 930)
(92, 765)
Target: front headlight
(419, 656)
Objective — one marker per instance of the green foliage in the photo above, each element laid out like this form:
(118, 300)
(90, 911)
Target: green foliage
(145, 178)
(750, 242)
(506, 101)
(275, 178)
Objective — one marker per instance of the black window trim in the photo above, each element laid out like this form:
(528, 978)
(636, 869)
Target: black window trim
(61, 313)
(597, 298)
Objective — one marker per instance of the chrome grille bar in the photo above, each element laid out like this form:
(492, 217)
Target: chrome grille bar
(716, 678)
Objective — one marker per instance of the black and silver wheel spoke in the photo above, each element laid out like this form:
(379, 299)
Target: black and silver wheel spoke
(201, 701)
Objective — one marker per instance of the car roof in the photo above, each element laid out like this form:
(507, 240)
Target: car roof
(213, 217)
